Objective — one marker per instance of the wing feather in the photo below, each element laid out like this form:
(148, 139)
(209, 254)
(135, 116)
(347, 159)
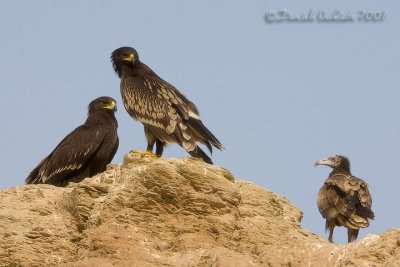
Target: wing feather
(347, 200)
(164, 110)
(353, 186)
(72, 153)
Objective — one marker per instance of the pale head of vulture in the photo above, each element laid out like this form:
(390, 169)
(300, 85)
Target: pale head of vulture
(337, 162)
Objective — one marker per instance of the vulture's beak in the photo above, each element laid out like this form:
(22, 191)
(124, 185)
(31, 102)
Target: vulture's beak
(326, 162)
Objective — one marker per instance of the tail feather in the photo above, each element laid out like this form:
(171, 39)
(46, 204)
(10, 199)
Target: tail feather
(209, 146)
(365, 212)
(352, 234)
(34, 176)
(198, 153)
(204, 135)
(354, 221)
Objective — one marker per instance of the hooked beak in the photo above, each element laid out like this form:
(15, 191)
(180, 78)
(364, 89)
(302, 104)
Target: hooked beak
(112, 106)
(131, 58)
(326, 162)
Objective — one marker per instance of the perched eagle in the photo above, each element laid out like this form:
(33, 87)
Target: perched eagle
(344, 200)
(85, 151)
(167, 115)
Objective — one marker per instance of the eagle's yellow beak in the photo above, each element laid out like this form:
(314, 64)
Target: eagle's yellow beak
(111, 105)
(130, 58)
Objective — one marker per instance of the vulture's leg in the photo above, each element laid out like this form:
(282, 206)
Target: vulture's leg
(352, 234)
(331, 226)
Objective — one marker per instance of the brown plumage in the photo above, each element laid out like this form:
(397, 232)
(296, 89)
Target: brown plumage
(344, 200)
(85, 151)
(166, 114)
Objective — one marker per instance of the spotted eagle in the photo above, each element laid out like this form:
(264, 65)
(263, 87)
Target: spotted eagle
(85, 151)
(167, 115)
(344, 200)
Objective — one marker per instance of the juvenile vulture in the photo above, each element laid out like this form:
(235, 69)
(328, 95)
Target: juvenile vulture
(166, 114)
(344, 200)
(85, 151)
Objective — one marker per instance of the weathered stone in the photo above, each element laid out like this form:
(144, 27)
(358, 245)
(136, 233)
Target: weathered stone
(169, 212)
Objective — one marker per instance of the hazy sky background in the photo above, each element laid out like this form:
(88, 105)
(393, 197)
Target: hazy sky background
(278, 96)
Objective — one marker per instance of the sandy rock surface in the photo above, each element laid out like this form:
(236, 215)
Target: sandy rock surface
(169, 212)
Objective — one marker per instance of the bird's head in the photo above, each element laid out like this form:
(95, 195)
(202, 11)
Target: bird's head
(337, 162)
(103, 103)
(124, 56)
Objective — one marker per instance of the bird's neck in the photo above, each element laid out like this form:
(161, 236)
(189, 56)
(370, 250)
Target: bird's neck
(127, 71)
(138, 70)
(343, 171)
(103, 117)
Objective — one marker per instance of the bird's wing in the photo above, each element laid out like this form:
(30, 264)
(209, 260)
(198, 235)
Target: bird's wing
(164, 111)
(71, 153)
(159, 108)
(189, 118)
(145, 104)
(187, 111)
(184, 106)
(328, 197)
(34, 177)
(334, 204)
(341, 198)
(114, 151)
(168, 92)
(352, 186)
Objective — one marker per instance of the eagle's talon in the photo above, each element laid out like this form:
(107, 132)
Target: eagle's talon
(144, 153)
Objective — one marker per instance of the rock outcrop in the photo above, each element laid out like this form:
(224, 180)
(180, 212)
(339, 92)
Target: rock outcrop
(169, 212)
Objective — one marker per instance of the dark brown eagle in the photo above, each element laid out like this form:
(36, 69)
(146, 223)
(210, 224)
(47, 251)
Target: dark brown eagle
(167, 115)
(85, 151)
(344, 200)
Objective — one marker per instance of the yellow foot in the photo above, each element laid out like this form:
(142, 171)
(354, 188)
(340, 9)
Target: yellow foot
(145, 153)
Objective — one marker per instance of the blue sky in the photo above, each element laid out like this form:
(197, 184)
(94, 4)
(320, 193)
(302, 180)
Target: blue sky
(279, 96)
